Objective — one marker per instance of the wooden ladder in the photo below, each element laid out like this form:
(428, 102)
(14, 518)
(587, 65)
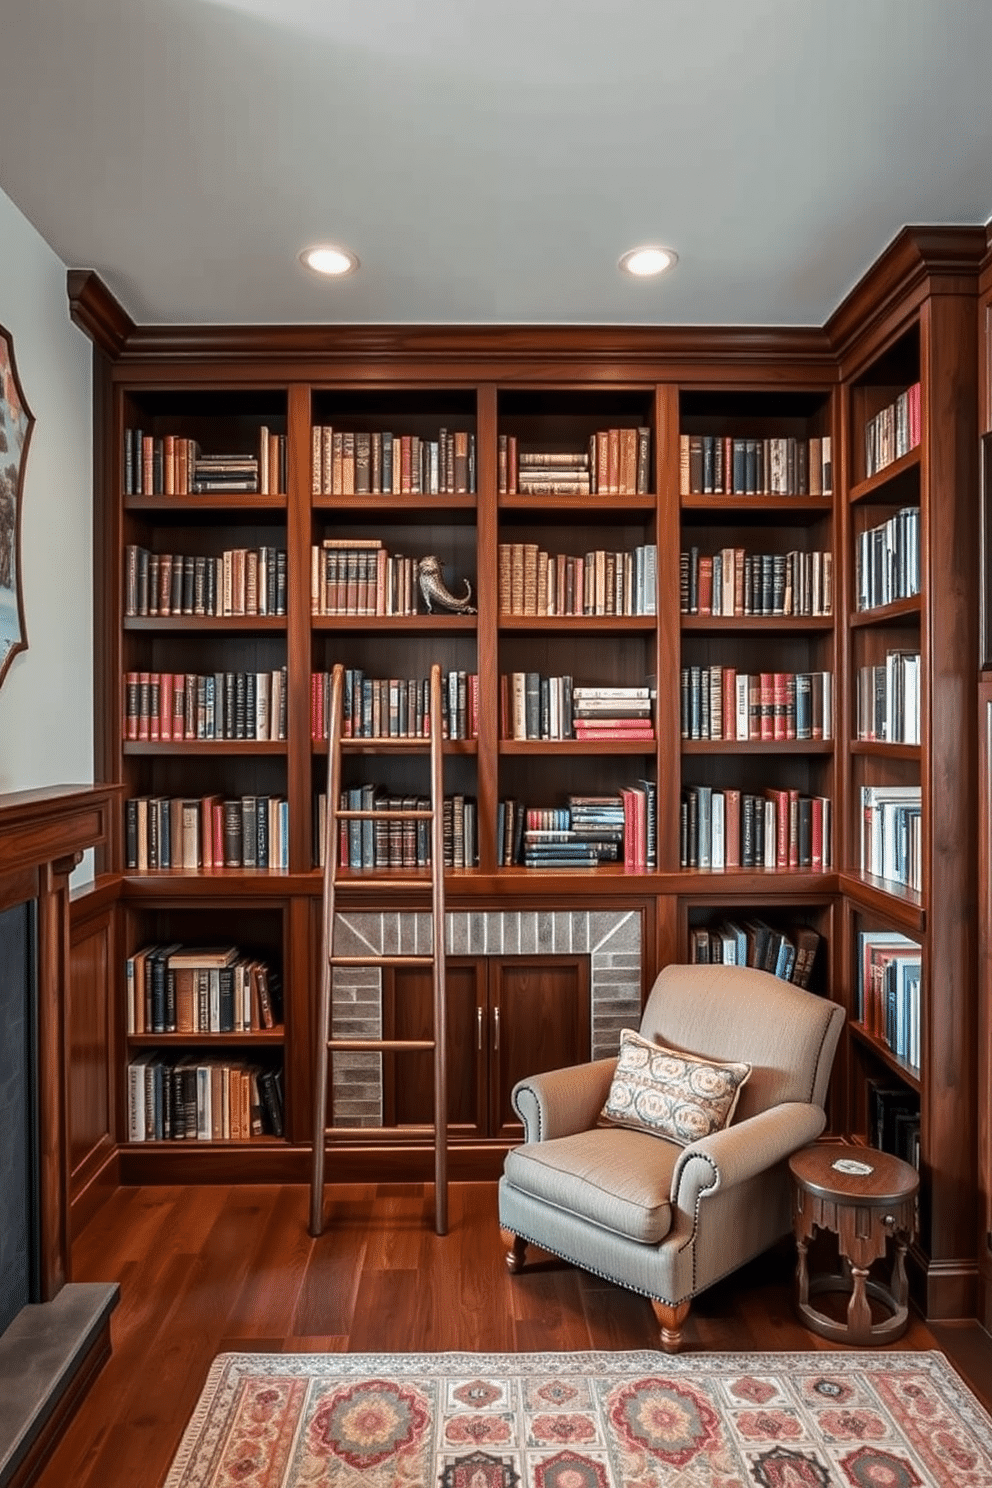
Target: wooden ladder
(324, 1043)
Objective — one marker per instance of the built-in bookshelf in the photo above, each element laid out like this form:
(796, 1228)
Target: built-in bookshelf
(704, 529)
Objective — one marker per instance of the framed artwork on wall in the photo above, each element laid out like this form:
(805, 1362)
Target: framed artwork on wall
(16, 423)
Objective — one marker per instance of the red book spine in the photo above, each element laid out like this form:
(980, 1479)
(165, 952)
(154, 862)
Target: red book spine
(705, 587)
(816, 833)
(217, 821)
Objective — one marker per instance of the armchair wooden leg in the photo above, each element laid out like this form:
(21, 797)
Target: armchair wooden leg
(516, 1245)
(671, 1321)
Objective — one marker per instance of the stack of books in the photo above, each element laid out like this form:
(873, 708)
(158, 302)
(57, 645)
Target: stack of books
(613, 713)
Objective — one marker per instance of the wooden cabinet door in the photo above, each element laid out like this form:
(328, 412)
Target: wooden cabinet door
(538, 1020)
(408, 1078)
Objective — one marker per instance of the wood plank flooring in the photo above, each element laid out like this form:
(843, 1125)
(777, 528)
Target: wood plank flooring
(208, 1269)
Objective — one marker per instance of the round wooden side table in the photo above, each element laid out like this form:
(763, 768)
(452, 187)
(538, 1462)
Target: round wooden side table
(864, 1197)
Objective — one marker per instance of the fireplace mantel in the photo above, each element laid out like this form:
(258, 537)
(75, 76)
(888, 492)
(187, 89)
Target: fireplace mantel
(43, 835)
(54, 1347)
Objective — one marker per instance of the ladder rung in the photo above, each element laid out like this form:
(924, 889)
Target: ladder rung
(396, 815)
(370, 1046)
(372, 960)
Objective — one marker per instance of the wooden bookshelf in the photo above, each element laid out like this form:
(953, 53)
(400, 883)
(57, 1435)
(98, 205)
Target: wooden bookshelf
(912, 318)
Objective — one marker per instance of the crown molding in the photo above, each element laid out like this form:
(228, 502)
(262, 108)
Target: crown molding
(96, 311)
(919, 261)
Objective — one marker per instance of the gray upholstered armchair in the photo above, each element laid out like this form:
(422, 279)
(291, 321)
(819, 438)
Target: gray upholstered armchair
(668, 1216)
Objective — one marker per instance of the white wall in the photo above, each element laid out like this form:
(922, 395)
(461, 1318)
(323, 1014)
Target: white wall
(46, 698)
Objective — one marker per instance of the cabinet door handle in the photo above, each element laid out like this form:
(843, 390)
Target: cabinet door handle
(496, 1028)
(478, 1023)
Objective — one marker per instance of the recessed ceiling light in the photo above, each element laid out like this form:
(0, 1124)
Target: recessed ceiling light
(329, 259)
(643, 262)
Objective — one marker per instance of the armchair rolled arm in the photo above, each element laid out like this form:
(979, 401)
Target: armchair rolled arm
(739, 1152)
(563, 1101)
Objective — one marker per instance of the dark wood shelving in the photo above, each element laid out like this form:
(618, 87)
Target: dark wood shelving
(900, 609)
(205, 624)
(757, 746)
(218, 747)
(245, 1039)
(794, 507)
(880, 749)
(886, 1056)
(747, 624)
(245, 506)
(565, 747)
(411, 624)
(583, 624)
(894, 484)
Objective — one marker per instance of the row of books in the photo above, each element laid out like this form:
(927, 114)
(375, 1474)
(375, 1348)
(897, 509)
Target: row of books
(612, 462)
(176, 988)
(196, 832)
(734, 582)
(356, 576)
(370, 844)
(202, 1100)
(892, 833)
(753, 942)
(600, 582)
(894, 1119)
(887, 560)
(536, 707)
(890, 973)
(888, 699)
(779, 829)
(217, 705)
(379, 462)
(239, 581)
(395, 707)
(720, 702)
(726, 465)
(174, 465)
(893, 431)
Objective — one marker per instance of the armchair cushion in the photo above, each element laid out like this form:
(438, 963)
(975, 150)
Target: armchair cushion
(619, 1180)
(671, 1094)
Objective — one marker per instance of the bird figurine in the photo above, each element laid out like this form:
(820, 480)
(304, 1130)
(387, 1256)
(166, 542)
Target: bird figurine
(433, 589)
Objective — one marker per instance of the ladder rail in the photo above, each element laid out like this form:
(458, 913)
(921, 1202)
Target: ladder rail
(324, 1043)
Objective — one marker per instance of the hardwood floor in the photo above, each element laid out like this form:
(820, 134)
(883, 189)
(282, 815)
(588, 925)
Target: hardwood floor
(208, 1269)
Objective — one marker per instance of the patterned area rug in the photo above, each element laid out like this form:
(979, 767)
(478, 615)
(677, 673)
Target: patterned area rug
(585, 1420)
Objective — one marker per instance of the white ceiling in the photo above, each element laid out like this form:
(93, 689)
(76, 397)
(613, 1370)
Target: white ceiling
(489, 160)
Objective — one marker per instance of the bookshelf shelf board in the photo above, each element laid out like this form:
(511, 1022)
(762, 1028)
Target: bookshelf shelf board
(411, 507)
(757, 746)
(220, 501)
(191, 1144)
(594, 508)
(584, 624)
(410, 624)
(577, 746)
(205, 746)
(879, 749)
(207, 1040)
(793, 507)
(900, 609)
(733, 881)
(162, 885)
(389, 745)
(772, 624)
(896, 484)
(886, 1056)
(207, 624)
(902, 907)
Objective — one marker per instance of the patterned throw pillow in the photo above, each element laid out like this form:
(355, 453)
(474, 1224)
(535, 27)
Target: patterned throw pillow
(670, 1094)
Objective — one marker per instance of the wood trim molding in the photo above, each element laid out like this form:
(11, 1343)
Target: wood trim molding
(916, 257)
(96, 311)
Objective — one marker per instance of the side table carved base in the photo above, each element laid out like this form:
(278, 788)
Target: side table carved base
(869, 1199)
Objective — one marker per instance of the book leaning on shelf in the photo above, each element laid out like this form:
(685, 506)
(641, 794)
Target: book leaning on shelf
(779, 829)
(395, 707)
(601, 581)
(588, 830)
(725, 465)
(722, 703)
(174, 706)
(191, 833)
(888, 699)
(890, 972)
(893, 431)
(240, 581)
(174, 465)
(380, 462)
(887, 560)
(612, 462)
(733, 582)
(369, 845)
(202, 1099)
(752, 942)
(536, 707)
(200, 989)
(891, 833)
